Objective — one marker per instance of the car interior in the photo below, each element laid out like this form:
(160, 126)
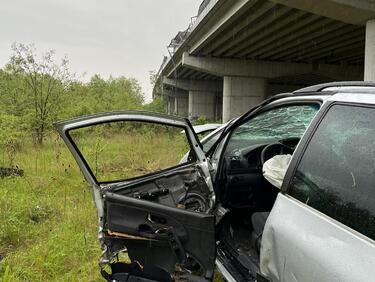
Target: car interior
(242, 189)
(249, 197)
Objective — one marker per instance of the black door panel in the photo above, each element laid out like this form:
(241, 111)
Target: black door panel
(175, 188)
(160, 235)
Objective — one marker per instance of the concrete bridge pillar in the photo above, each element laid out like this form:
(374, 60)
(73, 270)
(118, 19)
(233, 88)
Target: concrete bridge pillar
(370, 51)
(170, 105)
(181, 105)
(219, 106)
(240, 94)
(199, 97)
(177, 102)
(202, 104)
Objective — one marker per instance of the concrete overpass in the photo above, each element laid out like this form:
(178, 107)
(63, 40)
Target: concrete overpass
(238, 52)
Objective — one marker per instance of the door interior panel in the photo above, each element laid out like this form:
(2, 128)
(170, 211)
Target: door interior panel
(172, 189)
(161, 235)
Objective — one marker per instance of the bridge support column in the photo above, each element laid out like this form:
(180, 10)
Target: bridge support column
(181, 105)
(202, 104)
(177, 102)
(170, 105)
(240, 94)
(370, 51)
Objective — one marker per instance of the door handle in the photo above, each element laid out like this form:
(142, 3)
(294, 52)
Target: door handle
(154, 219)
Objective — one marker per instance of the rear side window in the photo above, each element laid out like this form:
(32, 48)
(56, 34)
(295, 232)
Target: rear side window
(336, 174)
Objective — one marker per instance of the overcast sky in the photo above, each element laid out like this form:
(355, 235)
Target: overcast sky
(109, 37)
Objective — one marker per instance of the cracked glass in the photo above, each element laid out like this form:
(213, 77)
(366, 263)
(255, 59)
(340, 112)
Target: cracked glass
(336, 174)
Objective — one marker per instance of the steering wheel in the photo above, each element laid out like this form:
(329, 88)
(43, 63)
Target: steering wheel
(277, 148)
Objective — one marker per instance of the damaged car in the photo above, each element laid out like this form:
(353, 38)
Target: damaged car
(284, 193)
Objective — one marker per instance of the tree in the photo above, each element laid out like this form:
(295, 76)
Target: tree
(12, 93)
(10, 136)
(158, 103)
(113, 94)
(46, 82)
(157, 86)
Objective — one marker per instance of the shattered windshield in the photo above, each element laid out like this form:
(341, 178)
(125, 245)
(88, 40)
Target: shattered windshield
(277, 124)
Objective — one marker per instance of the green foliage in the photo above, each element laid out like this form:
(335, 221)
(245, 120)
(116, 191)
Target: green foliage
(11, 128)
(157, 105)
(156, 84)
(36, 91)
(44, 83)
(119, 150)
(200, 120)
(11, 134)
(14, 97)
(6, 276)
(48, 224)
(101, 95)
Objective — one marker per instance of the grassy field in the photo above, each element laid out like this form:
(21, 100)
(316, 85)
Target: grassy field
(48, 224)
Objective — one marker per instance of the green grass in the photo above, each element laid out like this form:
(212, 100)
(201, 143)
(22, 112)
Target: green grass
(48, 223)
(48, 227)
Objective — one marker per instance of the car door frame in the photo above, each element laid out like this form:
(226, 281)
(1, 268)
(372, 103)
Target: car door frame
(64, 127)
(290, 100)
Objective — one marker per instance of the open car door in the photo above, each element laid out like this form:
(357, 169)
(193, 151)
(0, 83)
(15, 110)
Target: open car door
(155, 215)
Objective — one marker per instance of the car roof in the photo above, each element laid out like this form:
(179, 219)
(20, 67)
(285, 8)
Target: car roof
(339, 86)
(346, 91)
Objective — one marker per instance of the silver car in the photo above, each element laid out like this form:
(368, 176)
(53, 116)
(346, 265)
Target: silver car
(217, 207)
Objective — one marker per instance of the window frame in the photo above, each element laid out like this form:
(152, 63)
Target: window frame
(301, 100)
(100, 183)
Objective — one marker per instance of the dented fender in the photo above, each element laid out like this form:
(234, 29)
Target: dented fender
(302, 244)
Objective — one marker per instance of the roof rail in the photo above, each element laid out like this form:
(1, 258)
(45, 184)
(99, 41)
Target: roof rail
(321, 87)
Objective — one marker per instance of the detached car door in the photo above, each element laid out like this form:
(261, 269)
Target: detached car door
(155, 215)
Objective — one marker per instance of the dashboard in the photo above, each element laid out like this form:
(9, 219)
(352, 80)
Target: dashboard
(245, 186)
(246, 160)
(249, 159)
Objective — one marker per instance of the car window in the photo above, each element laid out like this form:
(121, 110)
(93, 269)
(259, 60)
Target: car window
(336, 173)
(127, 149)
(207, 143)
(276, 124)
